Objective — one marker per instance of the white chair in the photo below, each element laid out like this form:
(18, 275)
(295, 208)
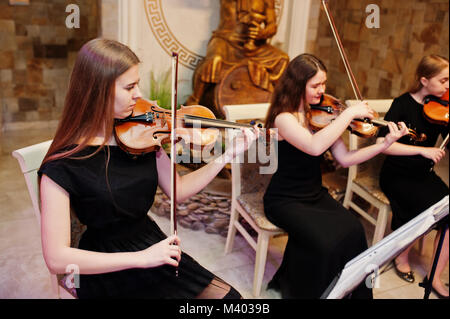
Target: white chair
(363, 181)
(363, 178)
(30, 159)
(248, 187)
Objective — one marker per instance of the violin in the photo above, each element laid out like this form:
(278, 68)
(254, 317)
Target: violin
(435, 109)
(150, 126)
(330, 108)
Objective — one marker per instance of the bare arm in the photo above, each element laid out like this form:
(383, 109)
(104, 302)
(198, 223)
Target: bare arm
(348, 158)
(189, 184)
(192, 183)
(317, 143)
(400, 149)
(55, 230)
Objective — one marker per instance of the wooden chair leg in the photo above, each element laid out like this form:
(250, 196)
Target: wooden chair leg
(347, 197)
(260, 262)
(231, 229)
(380, 227)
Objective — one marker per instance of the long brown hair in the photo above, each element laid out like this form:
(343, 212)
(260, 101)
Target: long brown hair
(428, 67)
(290, 89)
(89, 103)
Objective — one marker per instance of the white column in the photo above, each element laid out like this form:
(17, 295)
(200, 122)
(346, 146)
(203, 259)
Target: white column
(298, 27)
(122, 18)
(130, 17)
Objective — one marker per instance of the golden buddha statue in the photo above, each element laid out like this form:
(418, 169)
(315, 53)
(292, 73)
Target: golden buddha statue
(242, 37)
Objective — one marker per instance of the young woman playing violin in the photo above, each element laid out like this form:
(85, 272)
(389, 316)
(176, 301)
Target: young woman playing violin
(406, 176)
(123, 252)
(323, 235)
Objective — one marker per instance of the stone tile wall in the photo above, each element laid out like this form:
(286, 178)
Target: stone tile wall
(383, 60)
(37, 53)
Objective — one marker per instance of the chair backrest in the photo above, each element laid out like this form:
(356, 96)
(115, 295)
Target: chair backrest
(373, 165)
(246, 174)
(30, 159)
(238, 112)
(256, 170)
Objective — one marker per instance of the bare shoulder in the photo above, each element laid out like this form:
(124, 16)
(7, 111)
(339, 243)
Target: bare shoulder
(289, 126)
(285, 118)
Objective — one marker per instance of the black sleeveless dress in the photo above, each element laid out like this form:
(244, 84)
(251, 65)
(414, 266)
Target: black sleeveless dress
(117, 221)
(407, 181)
(323, 235)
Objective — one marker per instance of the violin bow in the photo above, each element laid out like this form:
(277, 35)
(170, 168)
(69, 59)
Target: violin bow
(444, 143)
(348, 68)
(173, 171)
(355, 88)
(442, 146)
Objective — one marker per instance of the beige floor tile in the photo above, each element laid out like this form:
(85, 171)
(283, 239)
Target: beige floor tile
(241, 278)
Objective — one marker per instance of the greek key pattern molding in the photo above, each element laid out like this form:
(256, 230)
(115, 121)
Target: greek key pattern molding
(167, 40)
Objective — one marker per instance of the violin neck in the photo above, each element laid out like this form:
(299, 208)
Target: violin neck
(379, 122)
(147, 117)
(374, 121)
(191, 120)
(207, 122)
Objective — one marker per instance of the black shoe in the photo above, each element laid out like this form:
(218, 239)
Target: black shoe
(406, 276)
(424, 284)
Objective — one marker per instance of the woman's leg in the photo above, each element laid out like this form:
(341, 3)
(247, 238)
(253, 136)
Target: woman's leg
(219, 289)
(443, 259)
(402, 260)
